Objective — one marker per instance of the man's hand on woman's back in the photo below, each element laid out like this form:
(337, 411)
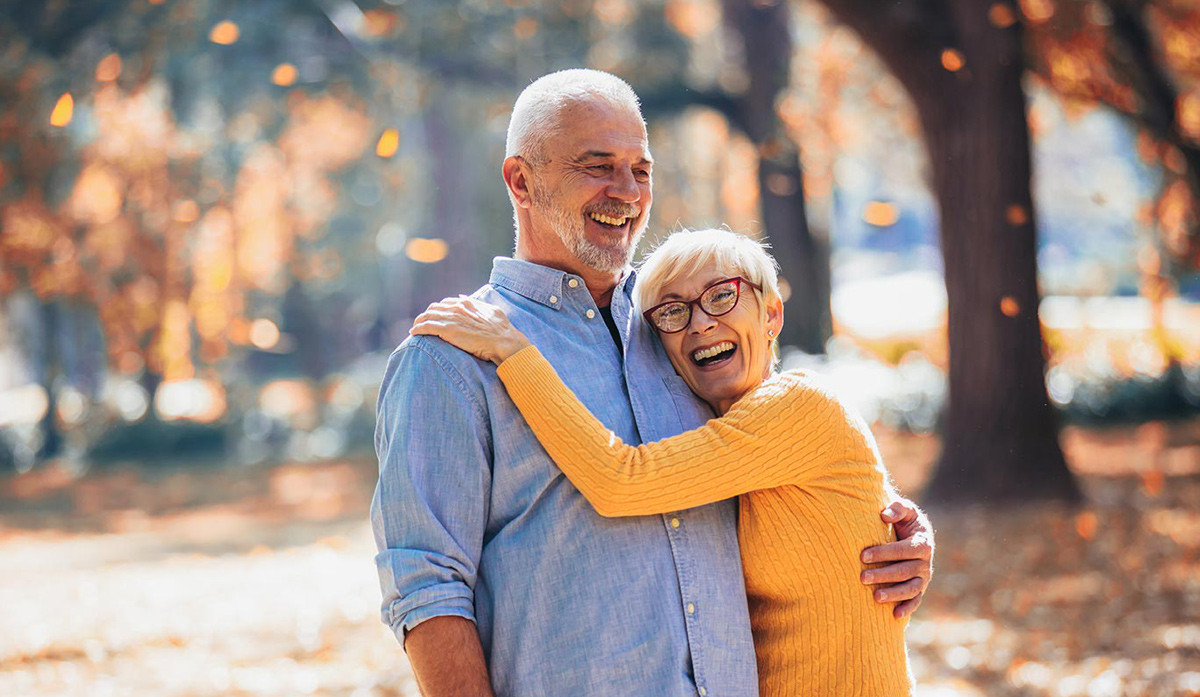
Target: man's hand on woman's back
(908, 561)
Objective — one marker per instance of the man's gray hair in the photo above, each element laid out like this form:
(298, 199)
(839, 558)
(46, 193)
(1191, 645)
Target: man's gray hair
(535, 116)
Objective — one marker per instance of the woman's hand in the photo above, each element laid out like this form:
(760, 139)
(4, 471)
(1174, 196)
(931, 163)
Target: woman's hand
(472, 325)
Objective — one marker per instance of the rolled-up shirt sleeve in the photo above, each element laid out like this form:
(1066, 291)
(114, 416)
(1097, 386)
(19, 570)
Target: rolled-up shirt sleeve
(430, 506)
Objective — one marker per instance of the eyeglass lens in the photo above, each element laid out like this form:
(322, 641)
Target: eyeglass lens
(716, 300)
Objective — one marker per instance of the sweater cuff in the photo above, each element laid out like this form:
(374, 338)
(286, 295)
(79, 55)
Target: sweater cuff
(524, 367)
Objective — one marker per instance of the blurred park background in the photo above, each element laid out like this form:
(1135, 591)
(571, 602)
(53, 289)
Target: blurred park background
(218, 218)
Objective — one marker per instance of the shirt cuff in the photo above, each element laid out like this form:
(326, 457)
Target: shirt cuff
(403, 615)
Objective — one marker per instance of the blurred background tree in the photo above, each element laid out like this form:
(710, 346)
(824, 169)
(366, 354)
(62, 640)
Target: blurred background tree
(219, 218)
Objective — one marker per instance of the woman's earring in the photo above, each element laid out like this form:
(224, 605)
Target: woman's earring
(771, 333)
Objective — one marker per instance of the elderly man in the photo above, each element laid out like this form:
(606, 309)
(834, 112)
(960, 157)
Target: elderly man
(498, 577)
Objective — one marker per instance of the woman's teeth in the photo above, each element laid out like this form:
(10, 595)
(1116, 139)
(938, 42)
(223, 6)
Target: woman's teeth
(601, 218)
(711, 351)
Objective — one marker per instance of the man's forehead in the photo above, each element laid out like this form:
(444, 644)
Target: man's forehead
(601, 127)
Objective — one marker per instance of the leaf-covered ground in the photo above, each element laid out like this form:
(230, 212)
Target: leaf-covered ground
(231, 581)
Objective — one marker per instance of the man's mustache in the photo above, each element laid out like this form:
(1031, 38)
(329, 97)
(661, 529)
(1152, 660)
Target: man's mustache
(615, 211)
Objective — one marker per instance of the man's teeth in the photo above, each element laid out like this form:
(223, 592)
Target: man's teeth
(600, 217)
(712, 350)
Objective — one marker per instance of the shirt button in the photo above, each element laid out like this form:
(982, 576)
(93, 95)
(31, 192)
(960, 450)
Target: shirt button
(591, 314)
(675, 522)
(573, 283)
(702, 691)
(691, 608)
(553, 299)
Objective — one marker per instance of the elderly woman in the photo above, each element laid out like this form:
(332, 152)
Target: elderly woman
(805, 467)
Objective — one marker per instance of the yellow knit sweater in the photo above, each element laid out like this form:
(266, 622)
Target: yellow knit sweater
(811, 487)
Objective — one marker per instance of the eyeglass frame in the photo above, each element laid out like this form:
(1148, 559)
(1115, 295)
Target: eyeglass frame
(696, 301)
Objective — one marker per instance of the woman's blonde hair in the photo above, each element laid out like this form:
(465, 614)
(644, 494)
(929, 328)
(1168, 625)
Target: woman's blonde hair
(685, 252)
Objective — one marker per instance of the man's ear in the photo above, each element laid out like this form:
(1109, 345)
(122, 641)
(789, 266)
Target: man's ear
(517, 178)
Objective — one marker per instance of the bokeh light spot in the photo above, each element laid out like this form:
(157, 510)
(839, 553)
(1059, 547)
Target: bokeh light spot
(952, 60)
(1086, 525)
(389, 143)
(186, 211)
(264, 334)
(881, 214)
(1009, 306)
(109, 68)
(525, 28)
(426, 250)
(64, 110)
(224, 33)
(284, 74)
(1001, 15)
(1016, 214)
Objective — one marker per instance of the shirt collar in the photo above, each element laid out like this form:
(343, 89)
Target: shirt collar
(540, 283)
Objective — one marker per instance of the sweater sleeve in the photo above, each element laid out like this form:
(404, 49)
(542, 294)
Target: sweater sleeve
(781, 433)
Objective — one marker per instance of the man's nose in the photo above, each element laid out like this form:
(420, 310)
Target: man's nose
(624, 186)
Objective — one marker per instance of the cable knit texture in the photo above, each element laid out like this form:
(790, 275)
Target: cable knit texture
(811, 487)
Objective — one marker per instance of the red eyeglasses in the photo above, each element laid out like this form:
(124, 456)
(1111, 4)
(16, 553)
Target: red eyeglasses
(719, 298)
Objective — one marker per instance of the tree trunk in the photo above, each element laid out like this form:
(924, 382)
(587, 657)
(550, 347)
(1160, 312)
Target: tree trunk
(764, 29)
(999, 432)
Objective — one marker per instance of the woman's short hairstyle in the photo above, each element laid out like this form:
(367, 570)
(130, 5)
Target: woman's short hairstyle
(685, 252)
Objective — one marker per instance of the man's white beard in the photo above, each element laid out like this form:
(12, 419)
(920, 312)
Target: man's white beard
(569, 226)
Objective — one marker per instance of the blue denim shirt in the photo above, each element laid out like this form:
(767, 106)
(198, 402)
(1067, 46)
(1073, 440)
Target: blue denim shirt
(473, 519)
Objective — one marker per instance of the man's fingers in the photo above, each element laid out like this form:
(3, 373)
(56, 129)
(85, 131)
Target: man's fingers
(898, 511)
(897, 572)
(915, 547)
(901, 591)
(907, 607)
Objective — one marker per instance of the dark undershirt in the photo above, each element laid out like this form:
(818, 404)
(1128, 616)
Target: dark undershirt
(606, 313)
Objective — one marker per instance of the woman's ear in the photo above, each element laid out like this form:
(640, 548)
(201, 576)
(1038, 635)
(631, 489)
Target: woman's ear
(775, 317)
(516, 176)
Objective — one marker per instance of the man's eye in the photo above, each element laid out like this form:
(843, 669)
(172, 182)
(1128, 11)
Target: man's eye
(599, 168)
(643, 174)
